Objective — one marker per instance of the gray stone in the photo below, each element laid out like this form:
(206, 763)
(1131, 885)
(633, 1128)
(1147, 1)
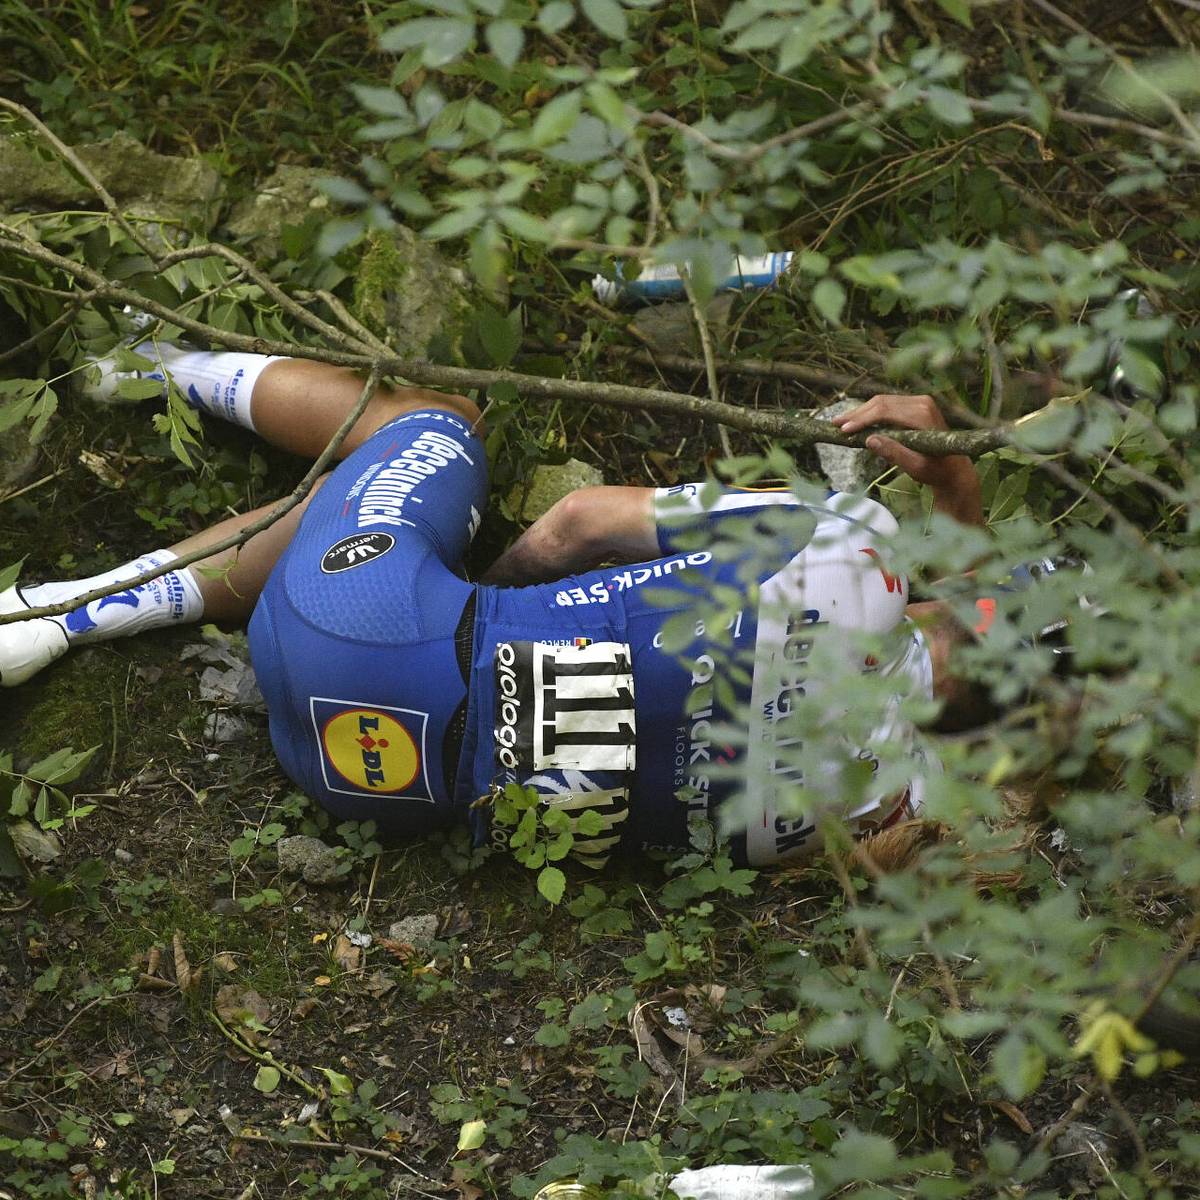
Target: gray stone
(847, 469)
(287, 197)
(122, 855)
(414, 930)
(1089, 1149)
(309, 858)
(18, 458)
(406, 293)
(223, 727)
(404, 290)
(671, 328)
(548, 485)
(32, 843)
(175, 191)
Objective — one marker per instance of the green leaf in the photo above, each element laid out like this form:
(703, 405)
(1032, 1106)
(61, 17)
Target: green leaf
(555, 16)
(471, 1135)
(47, 981)
(552, 883)
(556, 118)
(10, 574)
(551, 1034)
(267, 1080)
(44, 408)
(164, 1166)
(607, 16)
(139, 389)
(382, 101)
(15, 411)
(505, 39)
(829, 298)
(1019, 1066)
(948, 105)
(960, 10)
(441, 39)
(339, 1084)
(63, 766)
(454, 224)
(500, 335)
(122, 1119)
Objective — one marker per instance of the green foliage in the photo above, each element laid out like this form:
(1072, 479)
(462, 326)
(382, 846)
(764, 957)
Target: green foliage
(962, 205)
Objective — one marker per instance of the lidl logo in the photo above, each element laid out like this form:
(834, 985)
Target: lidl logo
(371, 750)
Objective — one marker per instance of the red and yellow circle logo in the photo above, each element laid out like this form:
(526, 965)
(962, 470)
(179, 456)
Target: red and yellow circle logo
(371, 750)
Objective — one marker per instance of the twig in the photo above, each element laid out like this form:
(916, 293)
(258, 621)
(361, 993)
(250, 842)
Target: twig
(237, 539)
(752, 367)
(753, 153)
(267, 1058)
(1164, 98)
(286, 302)
(74, 304)
(710, 362)
(29, 487)
(340, 1147)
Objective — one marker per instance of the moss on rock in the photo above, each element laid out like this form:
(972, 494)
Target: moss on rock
(406, 293)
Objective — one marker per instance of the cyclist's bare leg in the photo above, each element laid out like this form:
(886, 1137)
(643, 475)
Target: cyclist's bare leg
(230, 581)
(298, 405)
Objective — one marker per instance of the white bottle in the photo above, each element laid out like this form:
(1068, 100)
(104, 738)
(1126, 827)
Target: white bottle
(743, 1183)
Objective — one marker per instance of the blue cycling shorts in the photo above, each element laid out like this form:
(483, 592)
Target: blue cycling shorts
(354, 637)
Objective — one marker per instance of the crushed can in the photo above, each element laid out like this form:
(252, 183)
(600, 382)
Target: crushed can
(568, 1189)
(666, 283)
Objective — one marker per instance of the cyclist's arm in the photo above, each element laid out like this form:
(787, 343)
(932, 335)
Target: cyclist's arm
(588, 527)
(953, 478)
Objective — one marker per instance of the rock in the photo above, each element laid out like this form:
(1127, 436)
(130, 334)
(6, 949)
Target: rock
(176, 191)
(33, 843)
(18, 458)
(1089, 1149)
(671, 328)
(223, 727)
(122, 855)
(309, 858)
(415, 929)
(847, 469)
(287, 197)
(407, 294)
(404, 290)
(549, 484)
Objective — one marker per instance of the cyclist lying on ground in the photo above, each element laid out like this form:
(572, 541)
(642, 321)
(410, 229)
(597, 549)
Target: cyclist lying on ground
(399, 692)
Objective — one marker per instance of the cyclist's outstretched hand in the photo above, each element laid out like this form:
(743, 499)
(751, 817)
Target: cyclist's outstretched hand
(953, 477)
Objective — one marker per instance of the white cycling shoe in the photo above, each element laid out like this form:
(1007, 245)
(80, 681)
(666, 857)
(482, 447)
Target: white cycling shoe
(27, 646)
(101, 380)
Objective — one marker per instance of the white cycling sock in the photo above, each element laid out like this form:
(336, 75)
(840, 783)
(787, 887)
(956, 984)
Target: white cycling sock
(216, 382)
(172, 597)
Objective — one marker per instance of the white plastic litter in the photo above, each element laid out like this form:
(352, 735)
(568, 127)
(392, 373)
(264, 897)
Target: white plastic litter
(743, 1183)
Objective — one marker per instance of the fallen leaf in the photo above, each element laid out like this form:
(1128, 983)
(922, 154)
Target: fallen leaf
(471, 1135)
(181, 1116)
(322, 981)
(242, 1007)
(224, 961)
(183, 969)
(404, 951)
(347, 955)
(1013, 1113)
(266, 1080)
(34, 843)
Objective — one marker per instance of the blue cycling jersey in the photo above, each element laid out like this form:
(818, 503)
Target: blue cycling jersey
(400, 693)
